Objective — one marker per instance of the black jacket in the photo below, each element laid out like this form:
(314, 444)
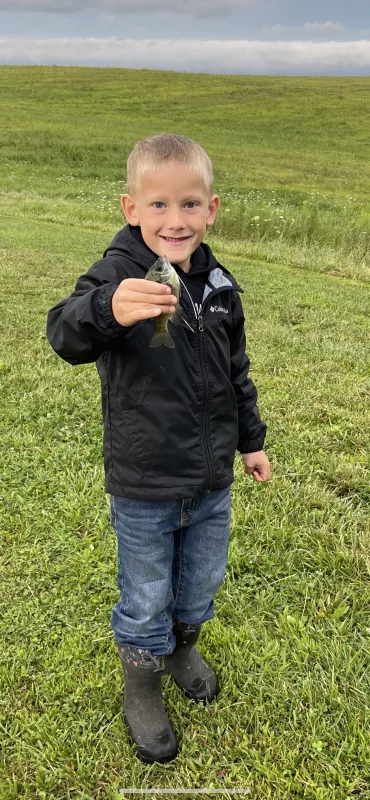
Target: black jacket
(173, 418)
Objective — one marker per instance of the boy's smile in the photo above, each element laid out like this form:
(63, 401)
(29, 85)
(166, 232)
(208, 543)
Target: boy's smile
(173, 209)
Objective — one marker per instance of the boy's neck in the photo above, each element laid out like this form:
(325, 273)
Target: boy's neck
(185, 267)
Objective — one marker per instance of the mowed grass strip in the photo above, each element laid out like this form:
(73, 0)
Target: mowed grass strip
(290, 639)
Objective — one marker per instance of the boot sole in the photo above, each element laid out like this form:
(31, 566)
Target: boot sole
(203, 700)
(146, 760)
(146, 757)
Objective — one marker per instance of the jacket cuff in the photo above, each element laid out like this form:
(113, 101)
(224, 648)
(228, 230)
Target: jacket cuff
(105, 301)
(250, 445)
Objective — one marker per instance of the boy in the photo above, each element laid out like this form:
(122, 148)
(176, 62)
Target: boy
(173, 419)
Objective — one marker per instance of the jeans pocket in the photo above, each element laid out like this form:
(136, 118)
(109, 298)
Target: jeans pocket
(113, 513)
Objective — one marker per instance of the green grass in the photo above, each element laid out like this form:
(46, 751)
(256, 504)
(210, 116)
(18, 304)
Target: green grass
(291, 636)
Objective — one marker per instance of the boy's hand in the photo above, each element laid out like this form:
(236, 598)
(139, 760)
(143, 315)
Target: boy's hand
(258, 465)
(136, 299)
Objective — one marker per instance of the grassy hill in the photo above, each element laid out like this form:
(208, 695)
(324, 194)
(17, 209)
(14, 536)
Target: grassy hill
(290, 637)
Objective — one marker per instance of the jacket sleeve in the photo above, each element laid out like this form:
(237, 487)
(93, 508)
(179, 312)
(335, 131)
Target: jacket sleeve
(252, 430)
(81, 327)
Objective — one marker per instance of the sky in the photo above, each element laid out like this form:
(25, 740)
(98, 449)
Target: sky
(265, 37)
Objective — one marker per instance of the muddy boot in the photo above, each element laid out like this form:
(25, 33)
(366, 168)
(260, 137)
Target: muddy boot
(187, 667)
(144, 714)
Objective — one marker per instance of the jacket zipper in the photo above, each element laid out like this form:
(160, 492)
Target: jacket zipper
(208, 448)
(202, 361)
(205, 414)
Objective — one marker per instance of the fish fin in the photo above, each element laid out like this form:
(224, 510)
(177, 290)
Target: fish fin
(162, 338)
(175, 317)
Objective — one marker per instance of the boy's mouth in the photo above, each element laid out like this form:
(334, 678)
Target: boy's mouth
(175, 239)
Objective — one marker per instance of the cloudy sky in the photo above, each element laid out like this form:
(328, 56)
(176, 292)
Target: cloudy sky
(320, 37)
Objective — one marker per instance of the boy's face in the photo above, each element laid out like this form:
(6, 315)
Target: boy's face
(173, 209)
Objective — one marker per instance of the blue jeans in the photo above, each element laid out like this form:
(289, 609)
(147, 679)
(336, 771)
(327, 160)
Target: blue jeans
(172, 557)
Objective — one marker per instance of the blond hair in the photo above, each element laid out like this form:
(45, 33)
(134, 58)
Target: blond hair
(157, 151)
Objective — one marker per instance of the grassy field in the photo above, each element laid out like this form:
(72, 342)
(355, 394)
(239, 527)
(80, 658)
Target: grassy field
(291, 636)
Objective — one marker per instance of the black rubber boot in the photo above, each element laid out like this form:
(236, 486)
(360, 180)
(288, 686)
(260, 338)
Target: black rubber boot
(187, 667)
(143, 711)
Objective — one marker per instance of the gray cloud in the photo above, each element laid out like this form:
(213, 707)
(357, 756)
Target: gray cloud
(319, 29)
(195, 8)
(324, 26)
(246, 57)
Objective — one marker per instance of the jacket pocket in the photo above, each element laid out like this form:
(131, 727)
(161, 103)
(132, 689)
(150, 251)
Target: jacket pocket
(138, 449)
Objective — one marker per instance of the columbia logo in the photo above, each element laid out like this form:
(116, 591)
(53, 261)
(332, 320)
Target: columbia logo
(219, 308)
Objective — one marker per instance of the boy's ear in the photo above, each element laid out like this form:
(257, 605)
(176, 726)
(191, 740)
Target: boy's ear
(213, 205)
(129, 209)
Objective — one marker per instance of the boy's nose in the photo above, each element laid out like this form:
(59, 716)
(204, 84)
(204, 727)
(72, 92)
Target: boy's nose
(175, 221)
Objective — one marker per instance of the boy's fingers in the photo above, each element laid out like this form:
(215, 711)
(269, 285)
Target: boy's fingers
(261, 474)
(149, 311)
(257, 475)
(145, 313)
(148, 287)
(141, 297)
(248, 469)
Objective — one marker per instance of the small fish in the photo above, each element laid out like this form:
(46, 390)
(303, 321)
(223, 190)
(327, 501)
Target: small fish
(163, 272)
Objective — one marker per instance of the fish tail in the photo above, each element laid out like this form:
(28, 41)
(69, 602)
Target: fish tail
(162, 338)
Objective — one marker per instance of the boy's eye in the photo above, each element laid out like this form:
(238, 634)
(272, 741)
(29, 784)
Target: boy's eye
(190, 204)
